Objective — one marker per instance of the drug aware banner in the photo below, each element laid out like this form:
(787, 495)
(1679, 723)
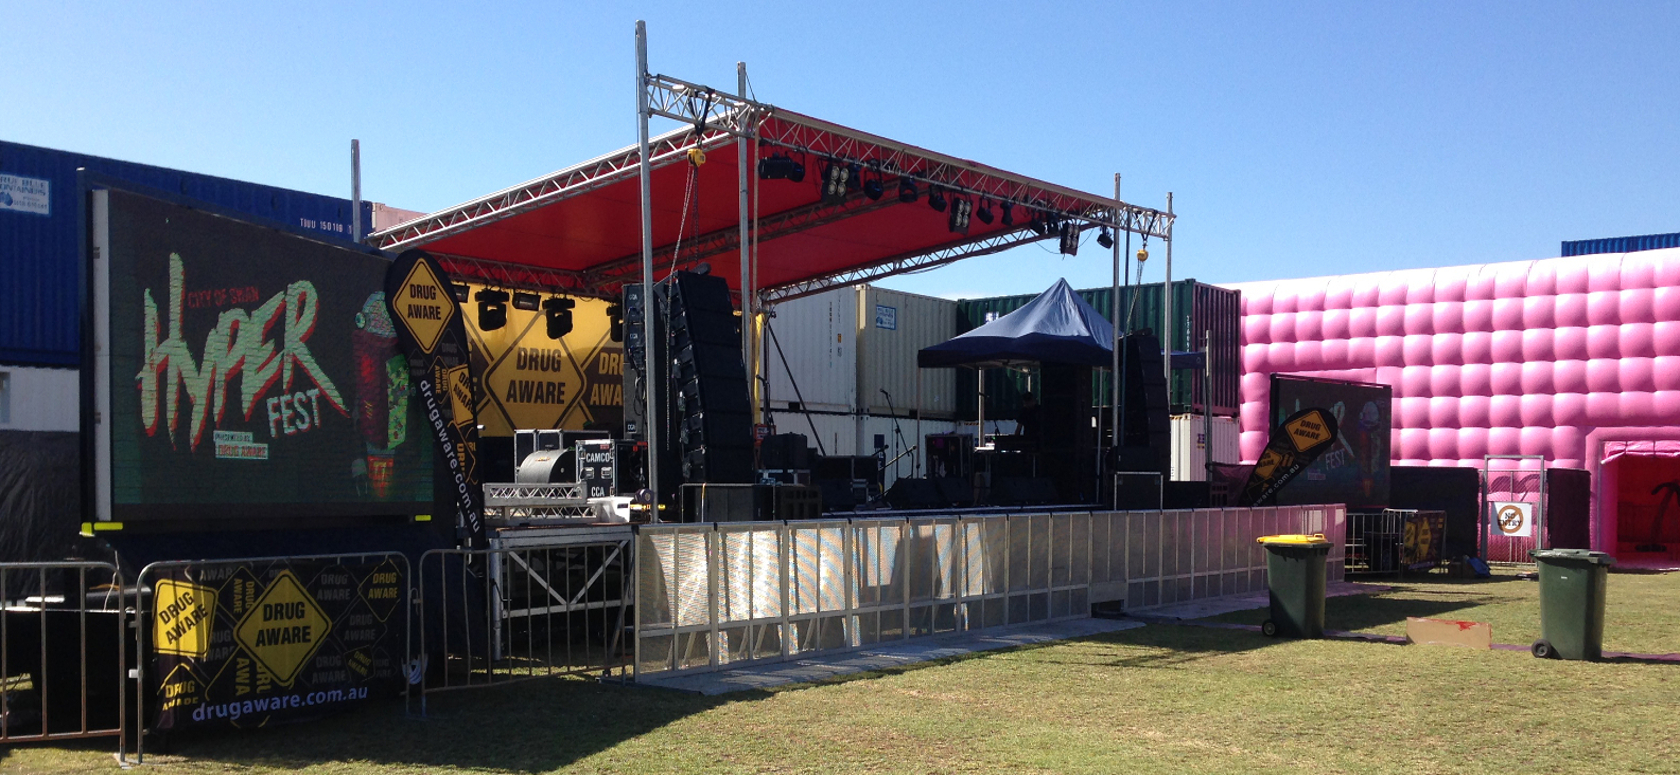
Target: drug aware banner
(435, 341)
(245, 645)
(1295, 444)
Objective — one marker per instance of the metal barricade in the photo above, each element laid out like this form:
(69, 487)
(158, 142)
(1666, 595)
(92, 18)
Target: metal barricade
(1375, 541)
(520, 611)
(63, 651)
(196, 614)
(710, 596)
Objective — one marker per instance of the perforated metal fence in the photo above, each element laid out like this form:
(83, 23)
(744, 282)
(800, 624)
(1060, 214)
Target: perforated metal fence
(715, 595)
(508, 613)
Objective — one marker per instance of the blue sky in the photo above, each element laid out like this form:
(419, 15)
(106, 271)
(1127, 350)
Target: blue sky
(1299, 138)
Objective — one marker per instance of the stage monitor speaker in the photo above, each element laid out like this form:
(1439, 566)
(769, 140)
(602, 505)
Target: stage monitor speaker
(909, 493)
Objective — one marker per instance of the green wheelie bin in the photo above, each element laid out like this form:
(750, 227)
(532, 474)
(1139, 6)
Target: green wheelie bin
(1572, 585)
(1296, 577)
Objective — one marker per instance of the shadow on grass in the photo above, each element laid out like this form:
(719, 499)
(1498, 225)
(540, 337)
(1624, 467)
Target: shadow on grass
(532, 726)
(1398, 600)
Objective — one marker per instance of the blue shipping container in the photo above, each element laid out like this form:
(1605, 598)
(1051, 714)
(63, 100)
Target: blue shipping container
(40, 234)
(1588, 247)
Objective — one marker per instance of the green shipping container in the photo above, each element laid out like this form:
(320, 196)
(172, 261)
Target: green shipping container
(1197, 308)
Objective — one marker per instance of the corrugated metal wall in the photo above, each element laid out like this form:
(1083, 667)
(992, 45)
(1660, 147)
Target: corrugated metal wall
(818, 337)
(893, 326)
(40, 260)
(1197, 307)
(1587, 247)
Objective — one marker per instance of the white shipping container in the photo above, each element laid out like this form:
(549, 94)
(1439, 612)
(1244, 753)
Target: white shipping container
(1189, 449)
(894, 325)
(818, 337)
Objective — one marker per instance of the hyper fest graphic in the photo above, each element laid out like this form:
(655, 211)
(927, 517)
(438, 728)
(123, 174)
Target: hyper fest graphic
(263, 370)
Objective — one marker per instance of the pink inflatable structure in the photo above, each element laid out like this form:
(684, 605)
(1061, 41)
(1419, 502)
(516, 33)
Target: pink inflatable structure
(1575, 359)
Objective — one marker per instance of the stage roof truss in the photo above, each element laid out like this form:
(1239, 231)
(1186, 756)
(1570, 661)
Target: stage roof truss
(725, 113)
(666, 149)
(904, 264)
(523, 277)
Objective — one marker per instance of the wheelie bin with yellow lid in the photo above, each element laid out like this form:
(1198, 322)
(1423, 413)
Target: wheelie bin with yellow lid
(1295, 574)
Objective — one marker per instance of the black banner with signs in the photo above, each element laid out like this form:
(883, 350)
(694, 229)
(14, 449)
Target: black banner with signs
(430, 327)
(1296, 443)
(245, 645)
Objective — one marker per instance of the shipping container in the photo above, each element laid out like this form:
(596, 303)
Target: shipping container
(1587, 247)
(1198, 309)
(1190, 448)
(386, 216)
(812, 359)
(40, 233)
(893, 327)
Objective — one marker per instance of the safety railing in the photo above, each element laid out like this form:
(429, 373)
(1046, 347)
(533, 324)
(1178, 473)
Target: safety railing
(491, 616)
(710, 596)
(241, 642)
(63, 651)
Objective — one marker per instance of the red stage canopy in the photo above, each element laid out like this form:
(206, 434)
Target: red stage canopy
(579, 230)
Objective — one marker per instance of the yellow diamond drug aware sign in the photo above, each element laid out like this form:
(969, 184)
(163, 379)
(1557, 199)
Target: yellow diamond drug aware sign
(284, 629)
(1309, 430)
(185, 615)
(424, 305)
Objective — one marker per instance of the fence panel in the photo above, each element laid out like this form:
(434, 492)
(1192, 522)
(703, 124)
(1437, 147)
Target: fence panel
(515, 612)
(241, 642)
(63, 651)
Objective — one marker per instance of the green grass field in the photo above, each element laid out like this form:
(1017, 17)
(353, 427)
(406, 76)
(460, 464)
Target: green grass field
(1160, 698)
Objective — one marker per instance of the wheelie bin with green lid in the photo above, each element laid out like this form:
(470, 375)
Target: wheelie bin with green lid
(1295, 574)
(1572, 585)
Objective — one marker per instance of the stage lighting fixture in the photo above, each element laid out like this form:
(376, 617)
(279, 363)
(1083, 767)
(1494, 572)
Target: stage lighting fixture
(837, 178)
(1039, 226)
(459, 291)
(936, 199)
(855, 179)
(1104, 238)
(779, 167)
(985, 212)
(906, 189)
(1070, 239)
(960, 209)
(615, 322)
(492, 309)
(559, 313)
(525, 301)
(1008, 213)
(874, 189)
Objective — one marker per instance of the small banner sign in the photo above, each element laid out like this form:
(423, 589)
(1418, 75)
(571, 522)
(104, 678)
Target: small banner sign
(1425, 540)
(1295, 443)
(1514, 519)
(434, 338)
(246, 645)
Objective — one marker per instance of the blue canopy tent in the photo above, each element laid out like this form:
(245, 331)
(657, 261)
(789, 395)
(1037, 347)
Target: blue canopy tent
(1056, 327)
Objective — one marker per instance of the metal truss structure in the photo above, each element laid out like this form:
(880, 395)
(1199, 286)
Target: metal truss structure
(560, 501)
(666, 149)
(714, 119)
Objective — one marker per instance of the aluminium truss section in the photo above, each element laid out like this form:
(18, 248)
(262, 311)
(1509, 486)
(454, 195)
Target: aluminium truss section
(514, 501)
(666, 149)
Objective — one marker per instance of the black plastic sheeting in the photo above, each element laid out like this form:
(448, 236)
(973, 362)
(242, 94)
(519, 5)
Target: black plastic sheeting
(40, 497)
